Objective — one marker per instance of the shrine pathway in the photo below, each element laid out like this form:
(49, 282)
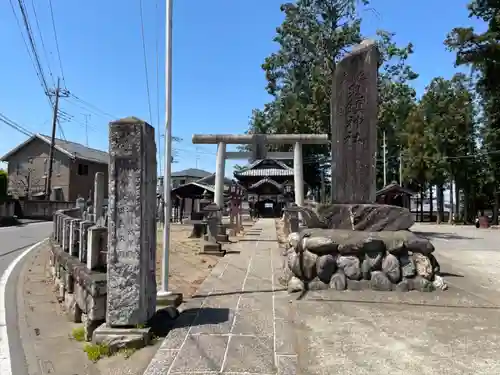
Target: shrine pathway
(243, 322)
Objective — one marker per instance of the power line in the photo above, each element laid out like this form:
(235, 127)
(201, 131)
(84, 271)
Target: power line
(86, 103)
(32, 52)
(41, 40)
(57, 41)
(145, 61)
(32, 44)
(14, 125)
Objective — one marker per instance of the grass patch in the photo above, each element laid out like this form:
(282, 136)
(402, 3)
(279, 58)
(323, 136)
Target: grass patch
(78, 334)
(96, 352)
(127, 352)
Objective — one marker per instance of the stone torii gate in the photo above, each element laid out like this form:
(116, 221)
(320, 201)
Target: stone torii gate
(259, 151)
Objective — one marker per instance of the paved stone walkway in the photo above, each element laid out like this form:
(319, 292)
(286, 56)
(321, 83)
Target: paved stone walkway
(233, 325)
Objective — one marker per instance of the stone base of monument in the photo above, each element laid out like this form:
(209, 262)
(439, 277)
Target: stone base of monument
(320, 259)
(169, 299)
(120, 338)
(358, 217)
(222, 238)
(116, 338)
(213, 248)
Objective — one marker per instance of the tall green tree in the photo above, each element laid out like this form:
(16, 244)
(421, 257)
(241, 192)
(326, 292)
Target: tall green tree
(314, 35)
(481, 51)
(396, 100)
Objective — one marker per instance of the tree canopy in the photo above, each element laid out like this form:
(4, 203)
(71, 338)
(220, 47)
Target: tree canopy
(449, 137)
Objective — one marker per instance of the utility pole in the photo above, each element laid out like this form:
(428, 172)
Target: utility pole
(57, 92)
(86, 116)
(197, 156)
(167, 151)
(384, 150)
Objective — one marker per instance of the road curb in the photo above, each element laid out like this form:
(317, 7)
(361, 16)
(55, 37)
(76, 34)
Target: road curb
(5, 351)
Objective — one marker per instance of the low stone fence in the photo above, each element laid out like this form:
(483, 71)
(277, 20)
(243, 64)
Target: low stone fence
(41, 209)
(78, 265)
(7, 209)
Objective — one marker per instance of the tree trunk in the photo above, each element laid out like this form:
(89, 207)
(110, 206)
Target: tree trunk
(467, 205)
(495, 207)
(422, 204)
(458, 212)
(452, 205)
(440, 201)
(431, 203)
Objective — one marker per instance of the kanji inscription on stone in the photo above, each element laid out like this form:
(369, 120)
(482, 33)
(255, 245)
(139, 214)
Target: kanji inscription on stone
(354, 126)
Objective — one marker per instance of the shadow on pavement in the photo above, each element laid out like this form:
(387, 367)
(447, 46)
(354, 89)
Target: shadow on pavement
(450, 274)
(163, 321)
(443, 236)
(196, 296)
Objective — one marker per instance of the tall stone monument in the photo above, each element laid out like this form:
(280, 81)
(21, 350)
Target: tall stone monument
(131, 298)
(354, 126)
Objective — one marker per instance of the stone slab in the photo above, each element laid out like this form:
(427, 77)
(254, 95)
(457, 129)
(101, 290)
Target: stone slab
(200, 353)
(172, 299)
(212, 248)
(362, 217)
(132, 223)
(354, 103)
(118, 338)
(253, 354)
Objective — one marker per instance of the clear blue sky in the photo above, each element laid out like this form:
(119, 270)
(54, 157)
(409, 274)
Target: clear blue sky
(219, 47)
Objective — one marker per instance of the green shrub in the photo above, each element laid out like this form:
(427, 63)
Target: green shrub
(78, 334)
(96, 352)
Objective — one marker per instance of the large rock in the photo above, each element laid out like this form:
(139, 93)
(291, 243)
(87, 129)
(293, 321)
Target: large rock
(390, 266)
(350, 265)
(338, 281)
(366, 217)
(303, 265)
(379, 281)
(423, 266)
(321, 245)
(326, 265)
(351, 242)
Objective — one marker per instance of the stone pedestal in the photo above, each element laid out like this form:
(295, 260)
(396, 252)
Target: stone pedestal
(354, 126)
(83, 241)
(131, 298)
(99, 197)
(94, 246)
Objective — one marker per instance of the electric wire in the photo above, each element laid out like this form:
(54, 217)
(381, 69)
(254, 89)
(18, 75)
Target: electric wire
(57, 42)
(145, 62)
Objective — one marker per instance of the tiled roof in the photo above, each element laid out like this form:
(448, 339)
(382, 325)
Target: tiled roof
(265, 172)
(252, 170)
(266, 181)
(394, 186)
(192, 172)
(80, 151)
(71, 149)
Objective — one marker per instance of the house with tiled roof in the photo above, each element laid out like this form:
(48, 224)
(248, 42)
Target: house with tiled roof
(73, 169)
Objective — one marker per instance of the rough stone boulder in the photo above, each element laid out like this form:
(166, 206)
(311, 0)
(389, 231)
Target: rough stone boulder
(358, 217)
(347, 242)
(343, 259)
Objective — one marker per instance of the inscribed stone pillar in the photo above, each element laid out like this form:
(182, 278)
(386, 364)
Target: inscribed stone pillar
(354, 126)
(131, 297)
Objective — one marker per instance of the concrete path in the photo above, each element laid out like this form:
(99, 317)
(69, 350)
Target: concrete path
(232, 326)
(244, 323)
(13, 240)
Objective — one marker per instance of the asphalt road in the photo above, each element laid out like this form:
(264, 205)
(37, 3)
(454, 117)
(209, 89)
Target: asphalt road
(13, 240)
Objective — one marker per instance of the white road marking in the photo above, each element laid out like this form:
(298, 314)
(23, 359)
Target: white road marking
(5, 364)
